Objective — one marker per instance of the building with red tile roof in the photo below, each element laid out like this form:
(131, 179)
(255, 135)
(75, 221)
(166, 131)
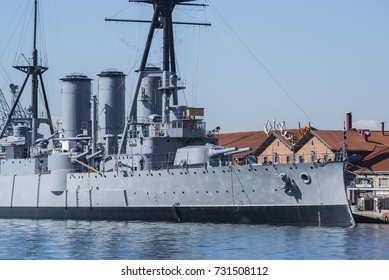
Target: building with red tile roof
(367, 151)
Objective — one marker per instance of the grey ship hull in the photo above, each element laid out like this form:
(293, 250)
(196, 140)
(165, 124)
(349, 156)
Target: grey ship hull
(232, 194)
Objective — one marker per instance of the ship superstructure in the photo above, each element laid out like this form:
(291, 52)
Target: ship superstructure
(159, 162)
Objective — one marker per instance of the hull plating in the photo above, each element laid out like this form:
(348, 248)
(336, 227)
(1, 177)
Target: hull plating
(331, 215)
(236, 194)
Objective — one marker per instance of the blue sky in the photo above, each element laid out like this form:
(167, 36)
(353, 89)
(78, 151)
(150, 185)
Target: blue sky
(296, 61)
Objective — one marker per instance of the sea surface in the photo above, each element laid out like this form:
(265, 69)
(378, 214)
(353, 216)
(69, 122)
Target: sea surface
(121, 240)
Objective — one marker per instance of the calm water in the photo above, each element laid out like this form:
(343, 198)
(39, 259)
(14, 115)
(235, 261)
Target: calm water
(104, 240)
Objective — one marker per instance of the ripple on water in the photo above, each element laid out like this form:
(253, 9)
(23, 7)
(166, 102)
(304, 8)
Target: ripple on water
(71, 239)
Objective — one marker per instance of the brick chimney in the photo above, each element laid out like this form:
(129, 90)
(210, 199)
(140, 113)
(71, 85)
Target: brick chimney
(366, 133)
(383, 128)
(349, 121)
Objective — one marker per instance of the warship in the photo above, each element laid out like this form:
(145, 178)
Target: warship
(157, 162)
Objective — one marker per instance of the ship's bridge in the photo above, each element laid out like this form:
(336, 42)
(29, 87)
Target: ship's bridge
(186, 122)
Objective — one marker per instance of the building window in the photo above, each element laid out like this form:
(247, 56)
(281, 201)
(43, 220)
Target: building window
(278, 143)
(276, 158)
(325, 157)
(313, 156)
(265, 160)
(301, 159)
(383, 182)
(288, 159)
(312, 143)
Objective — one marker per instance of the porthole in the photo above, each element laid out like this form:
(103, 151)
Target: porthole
(305, 177)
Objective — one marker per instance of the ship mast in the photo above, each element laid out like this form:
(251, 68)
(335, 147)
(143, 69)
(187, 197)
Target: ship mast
(162, 19)
(35, 70)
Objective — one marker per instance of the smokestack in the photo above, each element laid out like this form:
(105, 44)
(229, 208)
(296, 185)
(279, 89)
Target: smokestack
(383, 128)
(349, 121)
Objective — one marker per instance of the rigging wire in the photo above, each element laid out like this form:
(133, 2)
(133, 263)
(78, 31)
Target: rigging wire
(11, 23)
(27, 19)
(125, 7)
(260, 63)
(5, 75)
(137, 58)
(11, 26)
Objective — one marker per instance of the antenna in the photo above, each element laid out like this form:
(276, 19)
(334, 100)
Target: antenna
(35, 70)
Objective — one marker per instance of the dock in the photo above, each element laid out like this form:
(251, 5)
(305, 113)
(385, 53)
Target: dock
(371, 217)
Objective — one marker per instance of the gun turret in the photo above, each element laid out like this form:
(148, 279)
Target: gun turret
(220, 151)
(207, 155)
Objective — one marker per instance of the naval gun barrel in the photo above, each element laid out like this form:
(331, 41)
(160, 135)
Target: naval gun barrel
(80, 155)
(88, 157)
(242, 150)
(221, 152)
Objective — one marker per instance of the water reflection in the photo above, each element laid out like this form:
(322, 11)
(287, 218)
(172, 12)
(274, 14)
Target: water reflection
(106, 240)
(368, 242)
